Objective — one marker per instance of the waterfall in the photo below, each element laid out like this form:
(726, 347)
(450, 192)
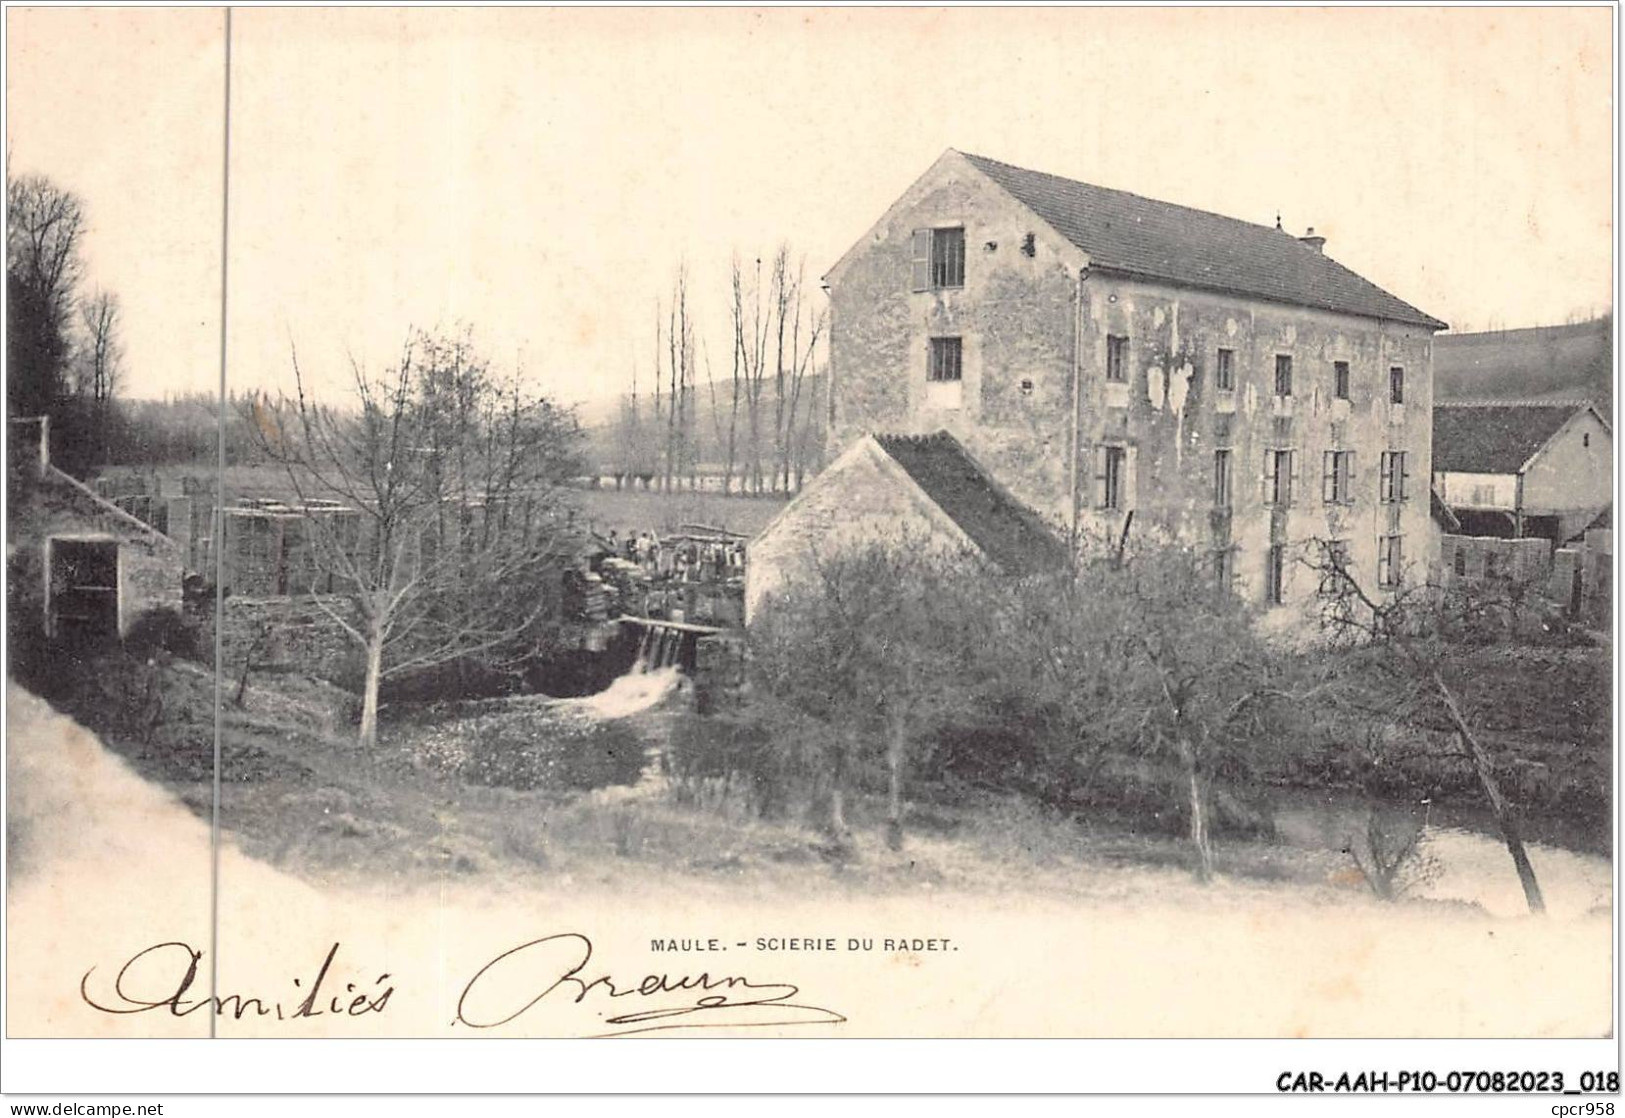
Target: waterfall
(660, 646)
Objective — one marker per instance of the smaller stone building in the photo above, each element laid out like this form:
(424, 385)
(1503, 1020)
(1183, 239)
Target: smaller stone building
(78, 566)
(918, 491)
(1512, 470)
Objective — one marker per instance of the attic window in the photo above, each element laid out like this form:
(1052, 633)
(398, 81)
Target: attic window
(939, 258)
(1396, 385)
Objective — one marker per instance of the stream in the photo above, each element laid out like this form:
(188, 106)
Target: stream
(1467, 859)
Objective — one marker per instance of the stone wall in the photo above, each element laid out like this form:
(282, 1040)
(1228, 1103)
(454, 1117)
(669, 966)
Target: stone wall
(1480, 558)
(1014, 315)
(288, 635)
(1173, 417)
(1573, 476)
(862, 496)
(1031, 332)
(150, 565)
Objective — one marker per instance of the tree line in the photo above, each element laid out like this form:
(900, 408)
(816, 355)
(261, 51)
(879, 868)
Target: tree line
(753, 428)
(64, 353)
(1132, 679)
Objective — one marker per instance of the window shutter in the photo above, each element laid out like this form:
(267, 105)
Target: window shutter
(1293, 480)
(1348, 477)
(1404, 476)
(1100, 477)
(1328, 477)
(1128, 480)
(922, 260)
(1385, 483)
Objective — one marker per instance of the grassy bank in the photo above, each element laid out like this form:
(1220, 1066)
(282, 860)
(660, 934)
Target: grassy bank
(526, 789)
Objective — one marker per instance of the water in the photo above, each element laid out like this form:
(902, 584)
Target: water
(630, 694)
(1468, 858)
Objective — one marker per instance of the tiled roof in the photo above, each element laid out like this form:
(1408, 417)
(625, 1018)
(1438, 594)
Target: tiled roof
(1492, 438)
(1008, 532)
(1125, 232)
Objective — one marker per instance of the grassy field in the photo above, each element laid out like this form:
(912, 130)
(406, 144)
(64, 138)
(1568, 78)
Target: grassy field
(531, 787)
(297, 793)
(601, 509)
(635, 511)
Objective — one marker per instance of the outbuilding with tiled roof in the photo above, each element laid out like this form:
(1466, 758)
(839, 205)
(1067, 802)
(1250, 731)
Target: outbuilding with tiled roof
(1514, 469)
(916, 491)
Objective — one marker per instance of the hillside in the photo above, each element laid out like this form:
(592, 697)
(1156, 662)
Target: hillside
(1538, 363)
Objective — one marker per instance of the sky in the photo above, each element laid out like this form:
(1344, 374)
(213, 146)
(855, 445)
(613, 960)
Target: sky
(540, 174)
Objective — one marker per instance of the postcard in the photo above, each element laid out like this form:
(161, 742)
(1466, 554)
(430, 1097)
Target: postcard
(807, 524)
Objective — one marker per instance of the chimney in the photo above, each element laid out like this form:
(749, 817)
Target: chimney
(1314, 242)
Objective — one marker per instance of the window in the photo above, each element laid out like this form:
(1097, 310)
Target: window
(1460, 562)
(1334, 572)
(1224, 378)
(1116, 357)
(946, 359)
(1221, 479)
(1393, 487)
(1224, 569)
(1396, 385)
(1337, 477)
(1114, 467)
(1494, 564)
(1340, 379)
(1283, 375)
(1275, 575)
(1277, 477)
(939, 258)
(1390, 561)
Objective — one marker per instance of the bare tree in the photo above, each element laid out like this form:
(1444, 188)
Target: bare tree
(99, 363)
(776, 335)
(1409, 640)
(102, 353)
(44, 224)
(457, 476)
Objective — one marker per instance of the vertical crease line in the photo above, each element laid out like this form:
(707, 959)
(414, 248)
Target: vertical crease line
(219, 549)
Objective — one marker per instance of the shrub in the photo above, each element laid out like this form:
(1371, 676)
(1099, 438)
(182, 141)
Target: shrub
(764, 760)
(167, 631)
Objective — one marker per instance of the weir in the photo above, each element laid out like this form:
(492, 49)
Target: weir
(666, 644)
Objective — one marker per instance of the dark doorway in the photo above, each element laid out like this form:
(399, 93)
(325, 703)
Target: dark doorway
(84, 590)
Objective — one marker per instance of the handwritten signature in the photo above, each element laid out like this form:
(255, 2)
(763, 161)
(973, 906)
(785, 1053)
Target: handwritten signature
(555, 964)
(551, 969)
